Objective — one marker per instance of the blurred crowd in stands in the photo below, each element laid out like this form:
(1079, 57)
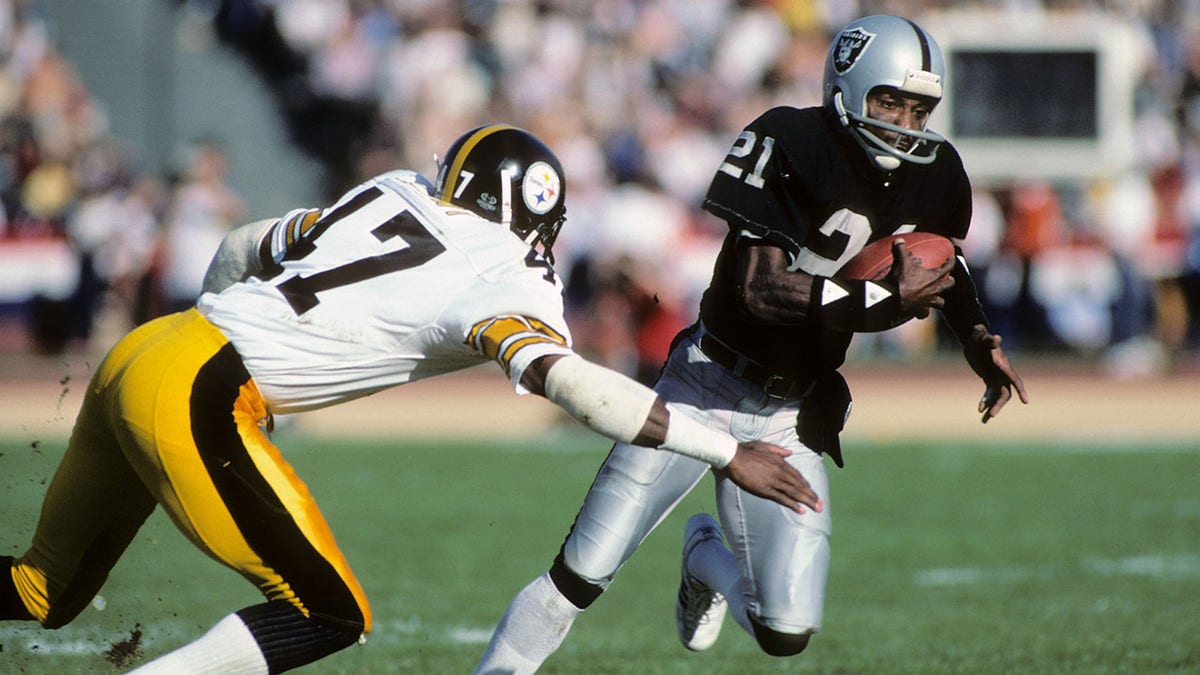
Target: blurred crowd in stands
(640, 99)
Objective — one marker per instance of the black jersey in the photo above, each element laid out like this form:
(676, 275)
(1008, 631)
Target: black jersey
(795, 179)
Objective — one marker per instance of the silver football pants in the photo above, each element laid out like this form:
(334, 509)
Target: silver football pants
(783, 556)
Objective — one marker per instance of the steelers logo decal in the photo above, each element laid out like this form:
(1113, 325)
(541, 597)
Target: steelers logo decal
(542, 188)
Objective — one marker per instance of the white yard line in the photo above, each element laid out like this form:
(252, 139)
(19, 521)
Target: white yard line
(1158, 566)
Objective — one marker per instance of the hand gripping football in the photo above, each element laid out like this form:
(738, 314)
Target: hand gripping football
(874, 261)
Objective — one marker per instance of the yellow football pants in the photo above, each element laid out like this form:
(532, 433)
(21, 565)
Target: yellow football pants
(172, 418)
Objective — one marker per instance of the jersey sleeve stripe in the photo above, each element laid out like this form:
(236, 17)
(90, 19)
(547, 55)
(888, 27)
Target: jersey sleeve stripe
(300, 224)
(545, 329)
(289, 229)
(501, 338)
(514, 344)
(309, 219)
(486, 336)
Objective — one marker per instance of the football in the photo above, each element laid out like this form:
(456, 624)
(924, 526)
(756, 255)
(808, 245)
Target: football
(874, 261)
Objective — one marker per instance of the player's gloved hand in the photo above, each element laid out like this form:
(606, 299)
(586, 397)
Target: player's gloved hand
(920, 288)
(759, 468)
(982, 351)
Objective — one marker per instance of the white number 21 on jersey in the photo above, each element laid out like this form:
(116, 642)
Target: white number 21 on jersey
(742, 148)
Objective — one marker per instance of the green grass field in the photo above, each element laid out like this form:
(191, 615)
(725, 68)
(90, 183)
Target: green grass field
(947, 559)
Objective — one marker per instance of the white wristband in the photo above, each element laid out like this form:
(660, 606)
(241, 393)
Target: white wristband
(689, 437)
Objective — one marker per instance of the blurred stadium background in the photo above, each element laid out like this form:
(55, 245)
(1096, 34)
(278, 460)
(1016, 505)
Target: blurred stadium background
(135, 133)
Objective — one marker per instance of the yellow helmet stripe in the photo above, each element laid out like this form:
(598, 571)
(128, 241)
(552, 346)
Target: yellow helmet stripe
(452, 175)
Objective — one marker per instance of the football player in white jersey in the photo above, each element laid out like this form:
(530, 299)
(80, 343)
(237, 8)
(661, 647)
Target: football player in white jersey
(397, 281)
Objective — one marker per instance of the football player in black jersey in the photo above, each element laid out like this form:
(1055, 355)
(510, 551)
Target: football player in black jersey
(802, 191)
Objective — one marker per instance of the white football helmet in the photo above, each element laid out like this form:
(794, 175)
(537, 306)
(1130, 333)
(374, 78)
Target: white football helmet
(884, 51)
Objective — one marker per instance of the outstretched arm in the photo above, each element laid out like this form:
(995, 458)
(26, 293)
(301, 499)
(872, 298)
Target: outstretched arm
(626, 411)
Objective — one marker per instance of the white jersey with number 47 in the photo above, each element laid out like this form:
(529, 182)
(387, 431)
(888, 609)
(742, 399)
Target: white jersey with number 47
(387, 286)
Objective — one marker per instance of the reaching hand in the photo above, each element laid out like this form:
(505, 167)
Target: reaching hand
(990, 363)
(759, 468)
(920, 288)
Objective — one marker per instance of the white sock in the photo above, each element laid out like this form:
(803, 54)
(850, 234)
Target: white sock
(717, 568)
(228, 648)
(532, 628)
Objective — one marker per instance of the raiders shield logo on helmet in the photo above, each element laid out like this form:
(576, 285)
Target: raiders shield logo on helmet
(850, 47)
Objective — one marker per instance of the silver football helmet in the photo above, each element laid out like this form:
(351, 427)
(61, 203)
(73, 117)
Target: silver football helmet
(884, 51)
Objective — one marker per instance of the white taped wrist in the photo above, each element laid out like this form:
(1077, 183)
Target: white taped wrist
(689, 437)
(604, 400)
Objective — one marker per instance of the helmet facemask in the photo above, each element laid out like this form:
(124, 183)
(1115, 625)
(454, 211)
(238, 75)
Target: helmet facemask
(541, 234)
(918, 146)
